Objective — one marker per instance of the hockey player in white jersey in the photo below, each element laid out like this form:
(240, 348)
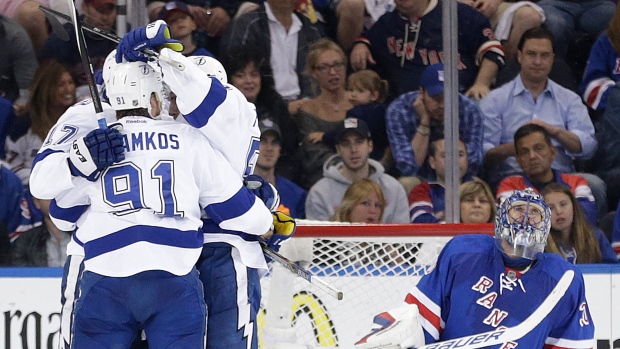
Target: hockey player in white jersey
(229, 122)
(481, 284)
(161, 193)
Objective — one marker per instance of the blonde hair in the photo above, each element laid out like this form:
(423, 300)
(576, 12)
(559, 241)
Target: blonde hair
(613, 30)
(43, 90)
(358, 192)
(317, 48)
(582, 234)
(368, 80)
(474, 187)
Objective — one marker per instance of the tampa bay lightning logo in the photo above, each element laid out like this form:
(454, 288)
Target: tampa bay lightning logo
(200, 61)
(144, 69)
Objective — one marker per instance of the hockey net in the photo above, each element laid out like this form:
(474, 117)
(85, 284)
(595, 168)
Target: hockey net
(373, 265)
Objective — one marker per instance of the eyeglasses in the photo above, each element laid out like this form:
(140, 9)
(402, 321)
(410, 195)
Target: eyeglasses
(324, 68)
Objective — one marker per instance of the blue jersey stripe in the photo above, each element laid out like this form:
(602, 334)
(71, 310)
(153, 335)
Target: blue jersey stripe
(210, 227)
(69, 214)
(234, 207)
(151, 234)
(201, 115)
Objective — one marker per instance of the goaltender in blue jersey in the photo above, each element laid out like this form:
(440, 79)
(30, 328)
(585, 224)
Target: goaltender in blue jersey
(482, 284)
(144, 217)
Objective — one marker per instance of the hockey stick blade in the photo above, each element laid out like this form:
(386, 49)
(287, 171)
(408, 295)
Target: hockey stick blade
(104, 34)
(500, 336)
(301, 272)
(57, 27)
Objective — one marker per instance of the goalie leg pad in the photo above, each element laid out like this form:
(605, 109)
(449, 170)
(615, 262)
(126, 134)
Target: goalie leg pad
(398, 328)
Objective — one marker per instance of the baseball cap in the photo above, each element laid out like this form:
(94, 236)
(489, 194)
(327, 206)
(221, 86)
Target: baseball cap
(351, 124)
(100, 3)
(268, 124)
(432, 79)
(172, 7)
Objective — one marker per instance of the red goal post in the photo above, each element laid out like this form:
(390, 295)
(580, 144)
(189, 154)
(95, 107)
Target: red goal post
(375, 265)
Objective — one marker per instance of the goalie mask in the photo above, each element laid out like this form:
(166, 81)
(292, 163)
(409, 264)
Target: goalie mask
(211, 66)
(130, 86)
(522, 224)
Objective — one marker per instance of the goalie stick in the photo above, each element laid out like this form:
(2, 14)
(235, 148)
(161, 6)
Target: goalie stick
(58, 29)
(301, 272)
(503, 335)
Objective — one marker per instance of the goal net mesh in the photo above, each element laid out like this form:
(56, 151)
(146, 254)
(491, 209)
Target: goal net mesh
(375, 266)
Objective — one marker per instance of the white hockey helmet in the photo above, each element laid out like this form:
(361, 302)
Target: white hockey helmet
(130, 86)
(211, 66)
(522, 224)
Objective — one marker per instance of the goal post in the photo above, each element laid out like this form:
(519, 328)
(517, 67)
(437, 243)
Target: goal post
(374, 265)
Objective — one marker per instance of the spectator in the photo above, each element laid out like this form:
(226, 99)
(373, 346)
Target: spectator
(367, 92)
(533, 98)
(353, 146)
(363, 202)
(182, 27)
(509, 20)
(14, 210)
(283, 36)
(477, 204)
(427, 200)
(415, 119)
(51, 94)
(42, 246)
(98, 13)
(601, 71)
(212, 17)
(571, 236)
(248, 71)
(565, 17)
(17, 62)
(292, 196)
(535, 154)
(5, 246)
(32, 21)
(326, 65)
(615, 234)
(7, 115)
(403, 42)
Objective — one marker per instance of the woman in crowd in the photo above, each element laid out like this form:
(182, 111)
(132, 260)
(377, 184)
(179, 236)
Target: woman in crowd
(363, 202)
(572, 237)
(52, 92)
(477, 202)
(326, 64)
(246, 71)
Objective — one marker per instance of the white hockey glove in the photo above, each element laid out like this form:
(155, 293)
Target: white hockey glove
(96, 151)
(399, 328)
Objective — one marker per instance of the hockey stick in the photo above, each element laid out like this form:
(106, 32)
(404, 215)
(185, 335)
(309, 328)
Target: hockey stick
(504, 335)
(301, 272)
(87, 65)
(58, 29)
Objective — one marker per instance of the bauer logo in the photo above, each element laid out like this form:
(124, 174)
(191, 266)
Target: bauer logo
(479, 339)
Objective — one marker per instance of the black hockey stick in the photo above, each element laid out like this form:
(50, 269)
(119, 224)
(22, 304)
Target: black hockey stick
(301, 272)
(87, 65)
(59, 30)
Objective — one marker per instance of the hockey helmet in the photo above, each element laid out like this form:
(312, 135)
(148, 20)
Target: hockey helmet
(130, 86)
(211, 66)
(522, 224)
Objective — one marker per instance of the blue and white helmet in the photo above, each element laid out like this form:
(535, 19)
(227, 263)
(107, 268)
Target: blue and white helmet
(522, 224)
(211, 66)
(130, 85)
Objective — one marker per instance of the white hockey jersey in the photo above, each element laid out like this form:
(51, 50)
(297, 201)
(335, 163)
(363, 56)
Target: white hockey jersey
(144, 212)
(229, 122)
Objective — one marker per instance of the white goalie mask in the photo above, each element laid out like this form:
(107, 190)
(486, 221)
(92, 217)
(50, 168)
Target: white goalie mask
(211, 66)
(522, 224)
(130, 85)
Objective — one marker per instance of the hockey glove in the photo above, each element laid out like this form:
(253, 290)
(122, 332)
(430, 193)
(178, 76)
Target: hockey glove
(398, 328)
(96, 151)
(153, 36)
(283, 228)
(263, 190)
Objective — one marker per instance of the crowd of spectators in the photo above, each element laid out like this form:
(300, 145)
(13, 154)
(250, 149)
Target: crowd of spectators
(350, 102)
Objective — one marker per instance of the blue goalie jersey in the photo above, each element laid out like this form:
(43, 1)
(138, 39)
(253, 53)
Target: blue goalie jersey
(470, 291)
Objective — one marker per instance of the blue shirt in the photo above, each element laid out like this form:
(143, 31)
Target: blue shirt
(402, 121)
(510, 106)
(292, 197)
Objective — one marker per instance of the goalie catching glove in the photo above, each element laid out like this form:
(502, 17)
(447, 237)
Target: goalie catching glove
(154, 36)
(94, 152)
(283, 228)
(398, 328)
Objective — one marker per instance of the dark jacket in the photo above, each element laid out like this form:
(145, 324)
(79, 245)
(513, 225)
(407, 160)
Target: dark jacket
(252, 28)
(30, 250)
